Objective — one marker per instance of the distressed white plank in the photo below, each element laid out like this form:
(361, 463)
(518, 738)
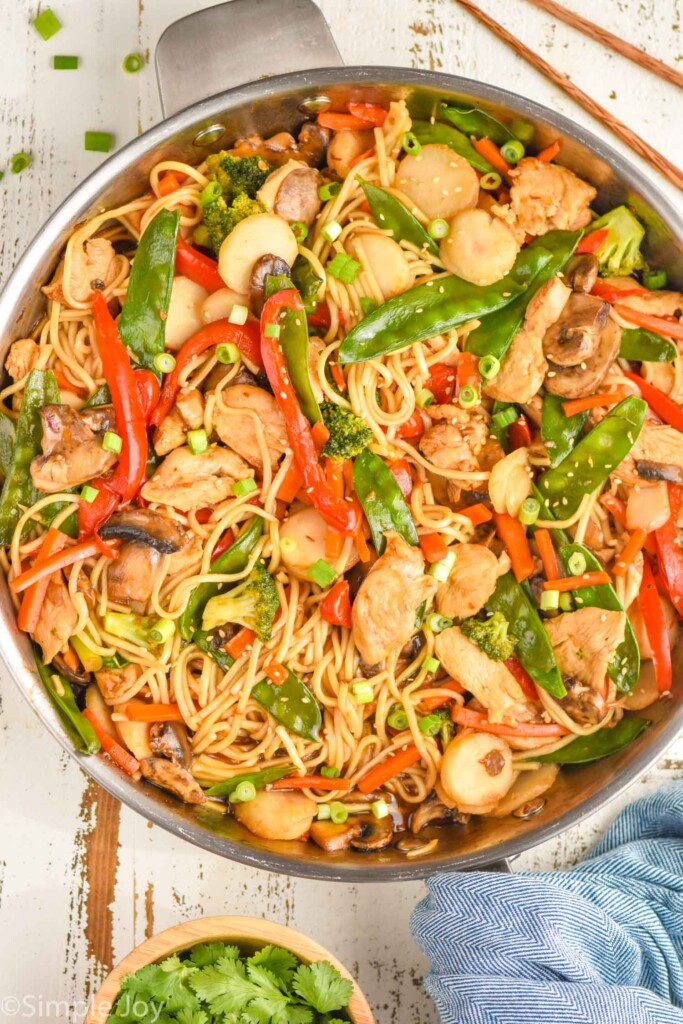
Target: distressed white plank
(48, 814)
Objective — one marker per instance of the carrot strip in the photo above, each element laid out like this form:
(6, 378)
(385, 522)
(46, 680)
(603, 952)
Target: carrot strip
(576, 405)
(311, 782)
(61, 560)
(240, 643)
(432, 703)
(388, 769)
(656, 324)
(32, 602)
(513, 535)
(276, 672)
(633, 545)
(338, 376)
(116, 752)
(466, 371)
(361, 545)
(370, 113)
(549, 153)
(153, 713)
(546, 550)
(291, 482)
(66, 385)
(489, 150)
(334, 541)
(320, 434)
(341, 122)
(357, 160)
(615, 506)
(169, 183)
(476, 720)
(478, 513)
(434, 548)
(586, 579)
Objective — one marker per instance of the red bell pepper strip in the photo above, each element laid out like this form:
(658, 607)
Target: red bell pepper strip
(29, 613)
(592, 241)
(199, 268)
(220, 332)
(400, 469)
(526, 683)
(654, 620)
(657, 324)
(519, 434)
(312, 782)
(335, 607)
(91, 514)
(665, 407)
(337, 512)
(413, 427)
(60, 560)
(441, 382)
(611, 294)
(148, 390)
(669, 552)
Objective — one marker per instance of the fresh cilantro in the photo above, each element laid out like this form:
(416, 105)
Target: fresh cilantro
(279, 962)
(207, 953)
(322, 987)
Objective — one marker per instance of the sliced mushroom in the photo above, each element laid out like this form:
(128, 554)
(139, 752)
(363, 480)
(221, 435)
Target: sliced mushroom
(277, 815)
(171, 740)
(254, 237)
(278, 149)
(130, 576)
(476, 771)
(582, 272)
(313, 143)
(146, 527)
(574, 338)
(659, 471)
(173, 778)
(74, 675)
(266, 265)
(432, 810)
(360, 832)
(297, 198)
(584, 379)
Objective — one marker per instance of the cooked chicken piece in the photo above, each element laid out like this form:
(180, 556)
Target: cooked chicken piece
(471, 582)
(170, 433)
(584, 642)
(188, 481)
(186, 558)
(277, 815)
(489, 681)
(250, 410)
(172, 777)
(190, 405)
(656, 443)
(588, 375)
(130, 577)
(546, 196)
(574, 338)
(57, 621)
(22, 357)
(456, 438)
(72, 449)
(143, 526)
(386, 603)
(659, 303)
(115, 683)
(524, 366)
(93, 267)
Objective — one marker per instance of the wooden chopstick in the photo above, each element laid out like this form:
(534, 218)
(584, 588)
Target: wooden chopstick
(642, 59)
(626, 134)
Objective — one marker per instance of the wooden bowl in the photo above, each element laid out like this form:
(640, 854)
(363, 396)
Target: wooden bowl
(249, 931)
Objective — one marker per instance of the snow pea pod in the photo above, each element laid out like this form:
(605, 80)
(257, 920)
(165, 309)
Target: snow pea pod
(643, 346)
(79, 728)
(427, 310)
(559, 433)
(474, 121)
(383, 503)
(222, 790)
(393, 216)
(142, 325)
(593, 458)
(294, 345)
(598, 744)
(306, 282)
(101, 396)
(446, 135)
(291, 704)
(538, 262)
(233, 559)
(7, 441)
(533, 648)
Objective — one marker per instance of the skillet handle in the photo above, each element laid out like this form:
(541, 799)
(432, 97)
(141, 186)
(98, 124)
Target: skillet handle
(237, 42)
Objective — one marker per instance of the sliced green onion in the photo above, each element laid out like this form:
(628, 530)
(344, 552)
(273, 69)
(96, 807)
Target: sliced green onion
(442, 570)
(438, 228)
(430, 725)
(431, 665)
(245, 486)
(111, 442)
(424, 398)
(512, 151)
(227, 354)
(90, 659)
(566, 602)
(437, 623)
(344, 268)
(300, 230)
(491, 181)
(329, 771)
(64, 63)
(164, 362)
(272, 331)
(89, 494)
(529, 512)
(489, 367)
(201, 237)
(379, 808)
(654, 279)
(576, 563)
(411, 144)
(397, 718)
(468, 396)
(98, 142)
(323, 813)
(132, 63)
(127, 626)
(504, 417)
(243, 792)
(367, 304)
(322, 573)
(198, 441)
(211, 192)
(363, 693)
(47, 24)
(20, 161)
(329, 190)
(338, 812)
(523, 130)
(550, 600)
(331, 230)
(288, 545)
(237, 315)
(162, 631)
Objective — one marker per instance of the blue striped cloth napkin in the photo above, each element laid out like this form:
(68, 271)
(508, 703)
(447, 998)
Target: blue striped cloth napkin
(599, 943)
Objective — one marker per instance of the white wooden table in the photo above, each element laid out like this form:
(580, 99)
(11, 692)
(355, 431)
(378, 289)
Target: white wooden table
(81, 879)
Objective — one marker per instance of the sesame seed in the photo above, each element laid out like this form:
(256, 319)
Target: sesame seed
(436, 181)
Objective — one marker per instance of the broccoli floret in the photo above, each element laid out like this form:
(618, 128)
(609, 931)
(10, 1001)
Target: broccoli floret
(619, 255)
(237, 175)
(243, 206)
(220, 219)
(252, 603)
(491, 635)
(349, 435)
